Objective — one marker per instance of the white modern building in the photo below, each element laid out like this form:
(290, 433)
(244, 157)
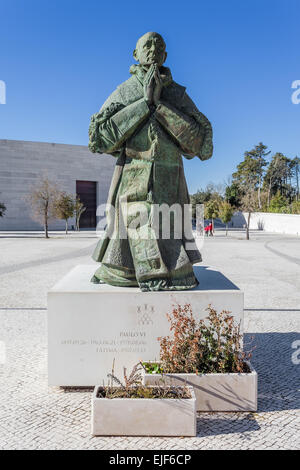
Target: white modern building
(73, 167)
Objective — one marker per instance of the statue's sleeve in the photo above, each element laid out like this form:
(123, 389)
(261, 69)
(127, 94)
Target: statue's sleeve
(190, 128)
(113, 125)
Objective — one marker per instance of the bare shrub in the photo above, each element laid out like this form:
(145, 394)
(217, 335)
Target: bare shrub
(42, 199)
(79, 210)
(133, 387)
(208, 346)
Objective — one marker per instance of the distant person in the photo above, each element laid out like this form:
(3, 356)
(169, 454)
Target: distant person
(209, 230)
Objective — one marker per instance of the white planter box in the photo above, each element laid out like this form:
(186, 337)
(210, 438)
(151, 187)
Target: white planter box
(143, 416)
(215, 392)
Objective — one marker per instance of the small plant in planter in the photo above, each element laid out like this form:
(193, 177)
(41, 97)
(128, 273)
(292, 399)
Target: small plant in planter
(134, 409)
(208, 355)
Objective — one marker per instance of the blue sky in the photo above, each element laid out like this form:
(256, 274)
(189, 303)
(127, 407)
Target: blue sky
(60, 59)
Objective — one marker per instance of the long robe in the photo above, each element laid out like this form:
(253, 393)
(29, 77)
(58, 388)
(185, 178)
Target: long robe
(149, 143)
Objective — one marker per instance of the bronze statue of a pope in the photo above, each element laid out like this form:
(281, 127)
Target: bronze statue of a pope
(148, 123)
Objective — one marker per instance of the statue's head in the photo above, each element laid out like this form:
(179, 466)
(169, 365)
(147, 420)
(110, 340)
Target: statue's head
(150, 49)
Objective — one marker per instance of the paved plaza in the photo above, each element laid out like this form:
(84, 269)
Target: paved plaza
(33, 416)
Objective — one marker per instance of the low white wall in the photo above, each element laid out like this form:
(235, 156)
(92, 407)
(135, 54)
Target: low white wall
(269, 222)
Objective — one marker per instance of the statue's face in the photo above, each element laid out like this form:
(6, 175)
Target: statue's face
(150, 49)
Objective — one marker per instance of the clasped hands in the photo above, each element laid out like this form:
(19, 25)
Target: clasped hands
(153, 85)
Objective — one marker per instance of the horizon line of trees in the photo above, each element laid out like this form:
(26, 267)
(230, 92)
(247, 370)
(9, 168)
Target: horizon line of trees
(275, 182)
(258, 184)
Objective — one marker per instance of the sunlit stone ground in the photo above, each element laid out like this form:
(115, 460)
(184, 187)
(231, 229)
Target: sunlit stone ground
(33, 416)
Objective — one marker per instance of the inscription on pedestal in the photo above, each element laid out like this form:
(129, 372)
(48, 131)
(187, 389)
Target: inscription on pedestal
(90, 325)
(128, 341)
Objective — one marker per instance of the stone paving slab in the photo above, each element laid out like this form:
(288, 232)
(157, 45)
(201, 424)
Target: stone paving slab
(34, 416)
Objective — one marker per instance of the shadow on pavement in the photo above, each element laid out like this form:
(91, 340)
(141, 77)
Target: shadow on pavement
(226, 425)
(278, 376)
(210, 279)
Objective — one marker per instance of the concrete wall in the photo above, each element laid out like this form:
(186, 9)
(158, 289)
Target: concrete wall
(269, 222)
(22, 164)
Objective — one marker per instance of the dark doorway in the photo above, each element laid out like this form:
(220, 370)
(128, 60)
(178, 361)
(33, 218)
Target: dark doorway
(87, 192)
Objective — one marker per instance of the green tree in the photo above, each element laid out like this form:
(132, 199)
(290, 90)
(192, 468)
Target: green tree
(279, 204)
(233, 194)
(226, 212)
(211, 210)
(202, 196)
(64, 207)
(295, 207)
(271, 176)
(250, 171)
(296, 168)
(278, 177)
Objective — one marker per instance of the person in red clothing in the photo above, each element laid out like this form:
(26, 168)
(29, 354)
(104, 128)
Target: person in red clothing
(209, 230)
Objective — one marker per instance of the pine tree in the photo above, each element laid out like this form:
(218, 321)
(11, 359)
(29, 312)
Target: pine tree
(250, 172)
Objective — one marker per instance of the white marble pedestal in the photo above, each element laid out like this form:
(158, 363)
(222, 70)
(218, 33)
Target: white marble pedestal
(89, 325)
